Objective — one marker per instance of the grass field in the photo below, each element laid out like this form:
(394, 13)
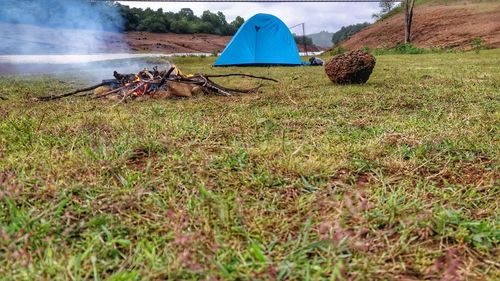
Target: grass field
(398, 178)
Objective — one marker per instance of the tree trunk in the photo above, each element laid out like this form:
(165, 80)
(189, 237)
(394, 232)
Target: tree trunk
(408, 7)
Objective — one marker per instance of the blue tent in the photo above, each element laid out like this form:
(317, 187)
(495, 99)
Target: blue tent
(262, 40)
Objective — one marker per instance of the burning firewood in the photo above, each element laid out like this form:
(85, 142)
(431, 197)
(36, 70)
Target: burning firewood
(158, 84)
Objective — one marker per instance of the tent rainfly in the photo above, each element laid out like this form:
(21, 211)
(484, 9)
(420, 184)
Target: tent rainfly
(262, 40)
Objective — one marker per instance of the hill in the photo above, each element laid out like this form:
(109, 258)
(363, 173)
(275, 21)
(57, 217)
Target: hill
(435, 24)
(322, 39)
(347, 32)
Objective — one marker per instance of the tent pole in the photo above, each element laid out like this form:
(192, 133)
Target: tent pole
(304, 37)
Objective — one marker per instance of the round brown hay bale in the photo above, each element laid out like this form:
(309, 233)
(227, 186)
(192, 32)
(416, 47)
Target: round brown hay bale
(350, 68)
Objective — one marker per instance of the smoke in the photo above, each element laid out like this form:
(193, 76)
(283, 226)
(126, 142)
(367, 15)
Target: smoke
(60, 27)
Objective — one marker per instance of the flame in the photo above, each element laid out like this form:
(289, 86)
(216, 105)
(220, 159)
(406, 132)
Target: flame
(142, 90)
(177, 70)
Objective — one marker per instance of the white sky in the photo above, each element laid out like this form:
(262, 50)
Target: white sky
(317, 16)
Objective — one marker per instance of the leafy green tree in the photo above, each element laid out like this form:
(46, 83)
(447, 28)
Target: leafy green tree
(130, 17)
(346, 32)
(237, 22)
(182, 22)
(187, 13)
(153, 24)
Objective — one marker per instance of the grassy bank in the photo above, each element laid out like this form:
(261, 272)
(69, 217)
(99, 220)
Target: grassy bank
(303, 181)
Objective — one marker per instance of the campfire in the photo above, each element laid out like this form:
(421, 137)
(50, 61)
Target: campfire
(158, 84)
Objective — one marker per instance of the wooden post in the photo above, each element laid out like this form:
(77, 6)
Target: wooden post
(304, 37)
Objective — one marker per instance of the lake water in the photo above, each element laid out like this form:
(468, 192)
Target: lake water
(92, 67)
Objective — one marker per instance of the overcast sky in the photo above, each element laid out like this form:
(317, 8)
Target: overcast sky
(317, 16)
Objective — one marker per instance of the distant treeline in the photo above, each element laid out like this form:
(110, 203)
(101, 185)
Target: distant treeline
(70, 14)
(299, 39)
(347, 31)
(182, 22)
(112, 16)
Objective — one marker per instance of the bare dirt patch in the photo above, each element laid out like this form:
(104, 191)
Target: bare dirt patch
(182, 43)
(175, 43)
(441, 26)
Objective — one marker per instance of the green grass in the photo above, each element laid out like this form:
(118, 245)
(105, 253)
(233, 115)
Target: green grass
(410, 49)
(397, 178)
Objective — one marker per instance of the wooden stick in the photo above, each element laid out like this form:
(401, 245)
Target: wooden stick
(205, 82)
(241, 91)
(128, 93)
(167, 74)
(84, 95)
(109, 93)
(146, 71)
(47, 98)
(240, 74)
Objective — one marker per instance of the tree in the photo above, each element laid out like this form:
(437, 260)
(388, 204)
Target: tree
(408, 7)
(183, 22)
(347, 31)
(237, 22)
(235, 25)
(153, 24)
(385, 7)
(130, 18)
(187, 13)
(214, 22)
